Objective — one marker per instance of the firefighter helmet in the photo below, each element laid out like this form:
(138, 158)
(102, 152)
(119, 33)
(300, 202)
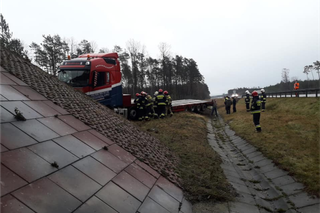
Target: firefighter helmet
(254, 93)
(247, 92)
(156, 93)
(262, 90)
(165, 92)
(160, 90)
(137, 94)
(143, 93)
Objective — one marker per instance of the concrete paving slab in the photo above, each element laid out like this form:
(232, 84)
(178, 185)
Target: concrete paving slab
(284, 180)
(275, 173)
(237, 207)
(249, 175)
(264, 183)
(310, 209)
(235, 180)
(246, 148)
(242, 146)
(303, 200)
(246, 198)
(257, 158)
(249, 151)
(239, 141)
(263, 163)
(272, 193)
(234, 137)
(267, 168)
(263, 204)
(292, 188)
(253, 154)
(281, 204)
(240, 188)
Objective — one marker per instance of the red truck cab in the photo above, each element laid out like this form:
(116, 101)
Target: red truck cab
(97, 75)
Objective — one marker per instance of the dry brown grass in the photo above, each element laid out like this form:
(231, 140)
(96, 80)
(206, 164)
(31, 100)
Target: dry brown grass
(290, 135)
(186, 136)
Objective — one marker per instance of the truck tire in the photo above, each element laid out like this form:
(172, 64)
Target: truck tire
(133, 114)
(193, 108)
(203, 107)
(198, 108)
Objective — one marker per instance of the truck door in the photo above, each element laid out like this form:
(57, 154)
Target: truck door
(101, 87)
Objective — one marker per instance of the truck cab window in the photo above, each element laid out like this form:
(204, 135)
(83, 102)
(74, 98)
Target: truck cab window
(101, 80)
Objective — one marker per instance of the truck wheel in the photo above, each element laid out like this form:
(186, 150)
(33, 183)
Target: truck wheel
(193, 108)
(198, 108)
(133, 115)
(204, 106)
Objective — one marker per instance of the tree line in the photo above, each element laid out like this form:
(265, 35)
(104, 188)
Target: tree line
(313, 67)
(179, 75)
(287, 83)
(7, 41)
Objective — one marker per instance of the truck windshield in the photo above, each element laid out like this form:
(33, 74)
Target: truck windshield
(75, 78)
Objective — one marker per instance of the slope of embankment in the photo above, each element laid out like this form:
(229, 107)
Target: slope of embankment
(290, 135)
(140, 144)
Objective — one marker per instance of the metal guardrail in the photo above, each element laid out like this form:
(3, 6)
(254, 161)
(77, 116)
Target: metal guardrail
(293, 93)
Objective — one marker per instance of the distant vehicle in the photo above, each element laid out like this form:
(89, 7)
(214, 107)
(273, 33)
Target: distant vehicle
(235, 95)
(99, 76)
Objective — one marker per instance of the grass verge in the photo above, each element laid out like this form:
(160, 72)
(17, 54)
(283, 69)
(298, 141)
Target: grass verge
(290, 135)
(186, 136)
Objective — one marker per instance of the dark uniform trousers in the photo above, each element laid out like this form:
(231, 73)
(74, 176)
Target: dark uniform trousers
(256, 121)
(141, 107)
(255, 110)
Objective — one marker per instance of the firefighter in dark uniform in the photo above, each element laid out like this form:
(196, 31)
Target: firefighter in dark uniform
(227, 103)
(149, 107)
(137, 102)
(255, 110)
(234, 103)
(161, 102)
(143, 102)
(169, 103)
(263, 98)
(247, 100)
(155, 106)
(141, 106)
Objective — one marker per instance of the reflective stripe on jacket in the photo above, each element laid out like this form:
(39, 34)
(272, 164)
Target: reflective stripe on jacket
(161, 100)
(263, 97)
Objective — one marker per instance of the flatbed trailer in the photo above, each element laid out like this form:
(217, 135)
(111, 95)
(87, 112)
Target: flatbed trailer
(190, 105)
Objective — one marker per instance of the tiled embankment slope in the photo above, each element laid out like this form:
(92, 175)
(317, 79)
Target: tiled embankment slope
(140, 144)
(262, 187)
(53, 162)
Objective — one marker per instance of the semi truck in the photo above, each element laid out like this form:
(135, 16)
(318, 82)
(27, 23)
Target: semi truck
(99, 76)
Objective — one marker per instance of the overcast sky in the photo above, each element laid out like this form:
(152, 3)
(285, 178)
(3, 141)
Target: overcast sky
(236, 43)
